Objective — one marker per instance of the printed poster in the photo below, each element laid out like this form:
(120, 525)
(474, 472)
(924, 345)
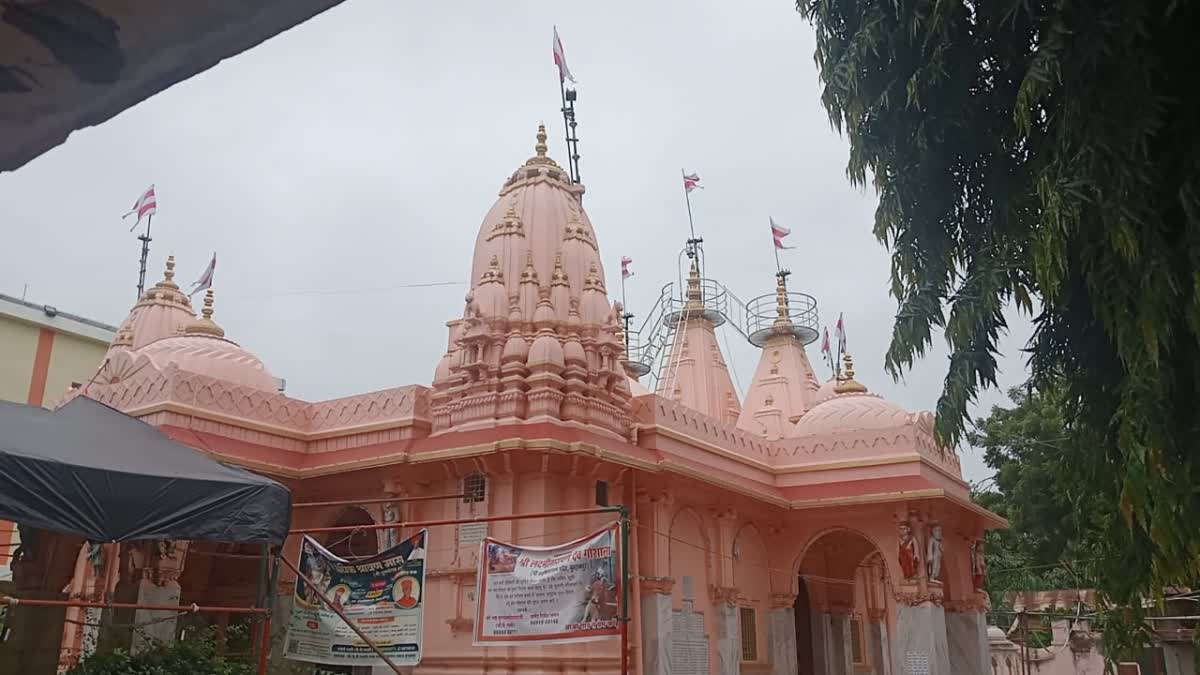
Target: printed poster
(382, 594)
(536, 595)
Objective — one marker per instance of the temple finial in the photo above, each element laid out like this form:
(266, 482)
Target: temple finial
(849, 385)
(205, 324)
(541, 148)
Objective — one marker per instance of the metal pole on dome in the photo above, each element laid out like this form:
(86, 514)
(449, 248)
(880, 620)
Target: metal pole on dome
(568, 112)
(145, 239)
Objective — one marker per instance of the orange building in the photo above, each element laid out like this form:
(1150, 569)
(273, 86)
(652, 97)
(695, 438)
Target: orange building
(42, 352)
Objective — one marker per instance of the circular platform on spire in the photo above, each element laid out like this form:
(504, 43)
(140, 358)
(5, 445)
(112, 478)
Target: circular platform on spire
(799, 319)
(711, 306)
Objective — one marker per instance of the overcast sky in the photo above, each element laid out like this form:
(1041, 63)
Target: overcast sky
(359, 151)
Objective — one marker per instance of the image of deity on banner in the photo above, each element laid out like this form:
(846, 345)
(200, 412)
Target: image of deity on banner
(317, 570)
(501, 559)
(600, 602)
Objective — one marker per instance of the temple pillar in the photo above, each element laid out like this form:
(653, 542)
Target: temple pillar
(966, 638)
(657, 620)
(781, 635)
(729, 644)
(880, 649)
(920, 647)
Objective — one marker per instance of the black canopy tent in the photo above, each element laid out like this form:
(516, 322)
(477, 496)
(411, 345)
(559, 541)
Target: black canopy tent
(89, 470)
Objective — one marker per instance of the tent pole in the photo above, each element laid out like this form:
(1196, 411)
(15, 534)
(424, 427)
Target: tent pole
(337, 610)
(273, 581)
(263, 562)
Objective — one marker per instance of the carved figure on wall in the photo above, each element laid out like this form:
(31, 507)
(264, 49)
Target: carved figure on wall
(978, 565)
(908, 556)
(933, 554)
(391, 515)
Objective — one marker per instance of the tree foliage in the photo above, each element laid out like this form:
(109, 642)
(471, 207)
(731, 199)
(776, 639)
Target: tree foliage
(193, 656)
(1058, 520)
(1045, 154)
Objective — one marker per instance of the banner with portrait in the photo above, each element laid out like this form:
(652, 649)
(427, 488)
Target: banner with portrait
(383, 595)
(546, 595)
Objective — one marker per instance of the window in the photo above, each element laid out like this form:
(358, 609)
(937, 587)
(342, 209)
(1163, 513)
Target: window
(856, 640)
(474, 488)
(601, 493)
(749, 635)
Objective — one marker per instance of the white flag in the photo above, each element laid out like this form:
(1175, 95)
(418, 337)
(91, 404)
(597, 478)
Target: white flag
(205, 281)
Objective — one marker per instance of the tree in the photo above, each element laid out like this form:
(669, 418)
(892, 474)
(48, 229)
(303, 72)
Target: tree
(1045, 153)
(1057, 519)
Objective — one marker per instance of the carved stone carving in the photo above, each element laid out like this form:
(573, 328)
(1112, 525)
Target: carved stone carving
(908, 556)
(933, 553)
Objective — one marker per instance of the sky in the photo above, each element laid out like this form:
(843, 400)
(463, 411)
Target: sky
(356, 154)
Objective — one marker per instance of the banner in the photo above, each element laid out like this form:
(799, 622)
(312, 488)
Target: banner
(535, 595)
(382, 595)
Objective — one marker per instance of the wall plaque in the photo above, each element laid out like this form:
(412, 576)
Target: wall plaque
(689, 644)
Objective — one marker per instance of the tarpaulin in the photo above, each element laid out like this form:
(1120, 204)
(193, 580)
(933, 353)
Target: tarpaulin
(89, 470)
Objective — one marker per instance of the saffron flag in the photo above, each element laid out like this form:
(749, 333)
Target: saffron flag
(205, 281)
(840, 331)
(778, 232)
(826, 349)
(625, 263)
(691, 181)
(560, 60)
(146, 205)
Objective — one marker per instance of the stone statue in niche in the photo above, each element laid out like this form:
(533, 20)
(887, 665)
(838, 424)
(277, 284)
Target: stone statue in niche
(978, 565)
(933, 554)
(908, 556)
(391, 515)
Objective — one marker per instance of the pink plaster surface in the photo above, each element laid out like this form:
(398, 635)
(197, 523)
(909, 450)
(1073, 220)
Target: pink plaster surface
(784, 388)
(697, 376)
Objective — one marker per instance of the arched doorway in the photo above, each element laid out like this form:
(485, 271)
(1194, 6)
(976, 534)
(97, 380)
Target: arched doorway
(355, 544)
(842, 607)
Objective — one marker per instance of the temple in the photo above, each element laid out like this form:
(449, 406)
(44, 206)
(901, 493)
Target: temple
(808, 527)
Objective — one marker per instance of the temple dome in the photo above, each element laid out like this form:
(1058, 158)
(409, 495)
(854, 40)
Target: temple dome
(161, 312)
(203, 349)
(851, 412)
(848, 408)
(538, 337)
(538, 233)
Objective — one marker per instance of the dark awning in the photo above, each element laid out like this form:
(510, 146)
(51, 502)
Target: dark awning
(93, 471)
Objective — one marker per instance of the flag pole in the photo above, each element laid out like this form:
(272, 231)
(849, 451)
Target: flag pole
(625, 315)
(567, 113)
(778, 267)
(688, 198)
(145, 239)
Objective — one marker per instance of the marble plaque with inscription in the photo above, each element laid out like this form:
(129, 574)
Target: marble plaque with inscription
(470, 534)
(918, 663)
(689, 644)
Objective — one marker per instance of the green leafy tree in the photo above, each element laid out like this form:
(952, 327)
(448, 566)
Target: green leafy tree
(1028, 151)
(1058, 521)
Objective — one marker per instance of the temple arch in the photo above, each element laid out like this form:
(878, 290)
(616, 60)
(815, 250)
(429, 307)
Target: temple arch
(842, 605)
(354, 544)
